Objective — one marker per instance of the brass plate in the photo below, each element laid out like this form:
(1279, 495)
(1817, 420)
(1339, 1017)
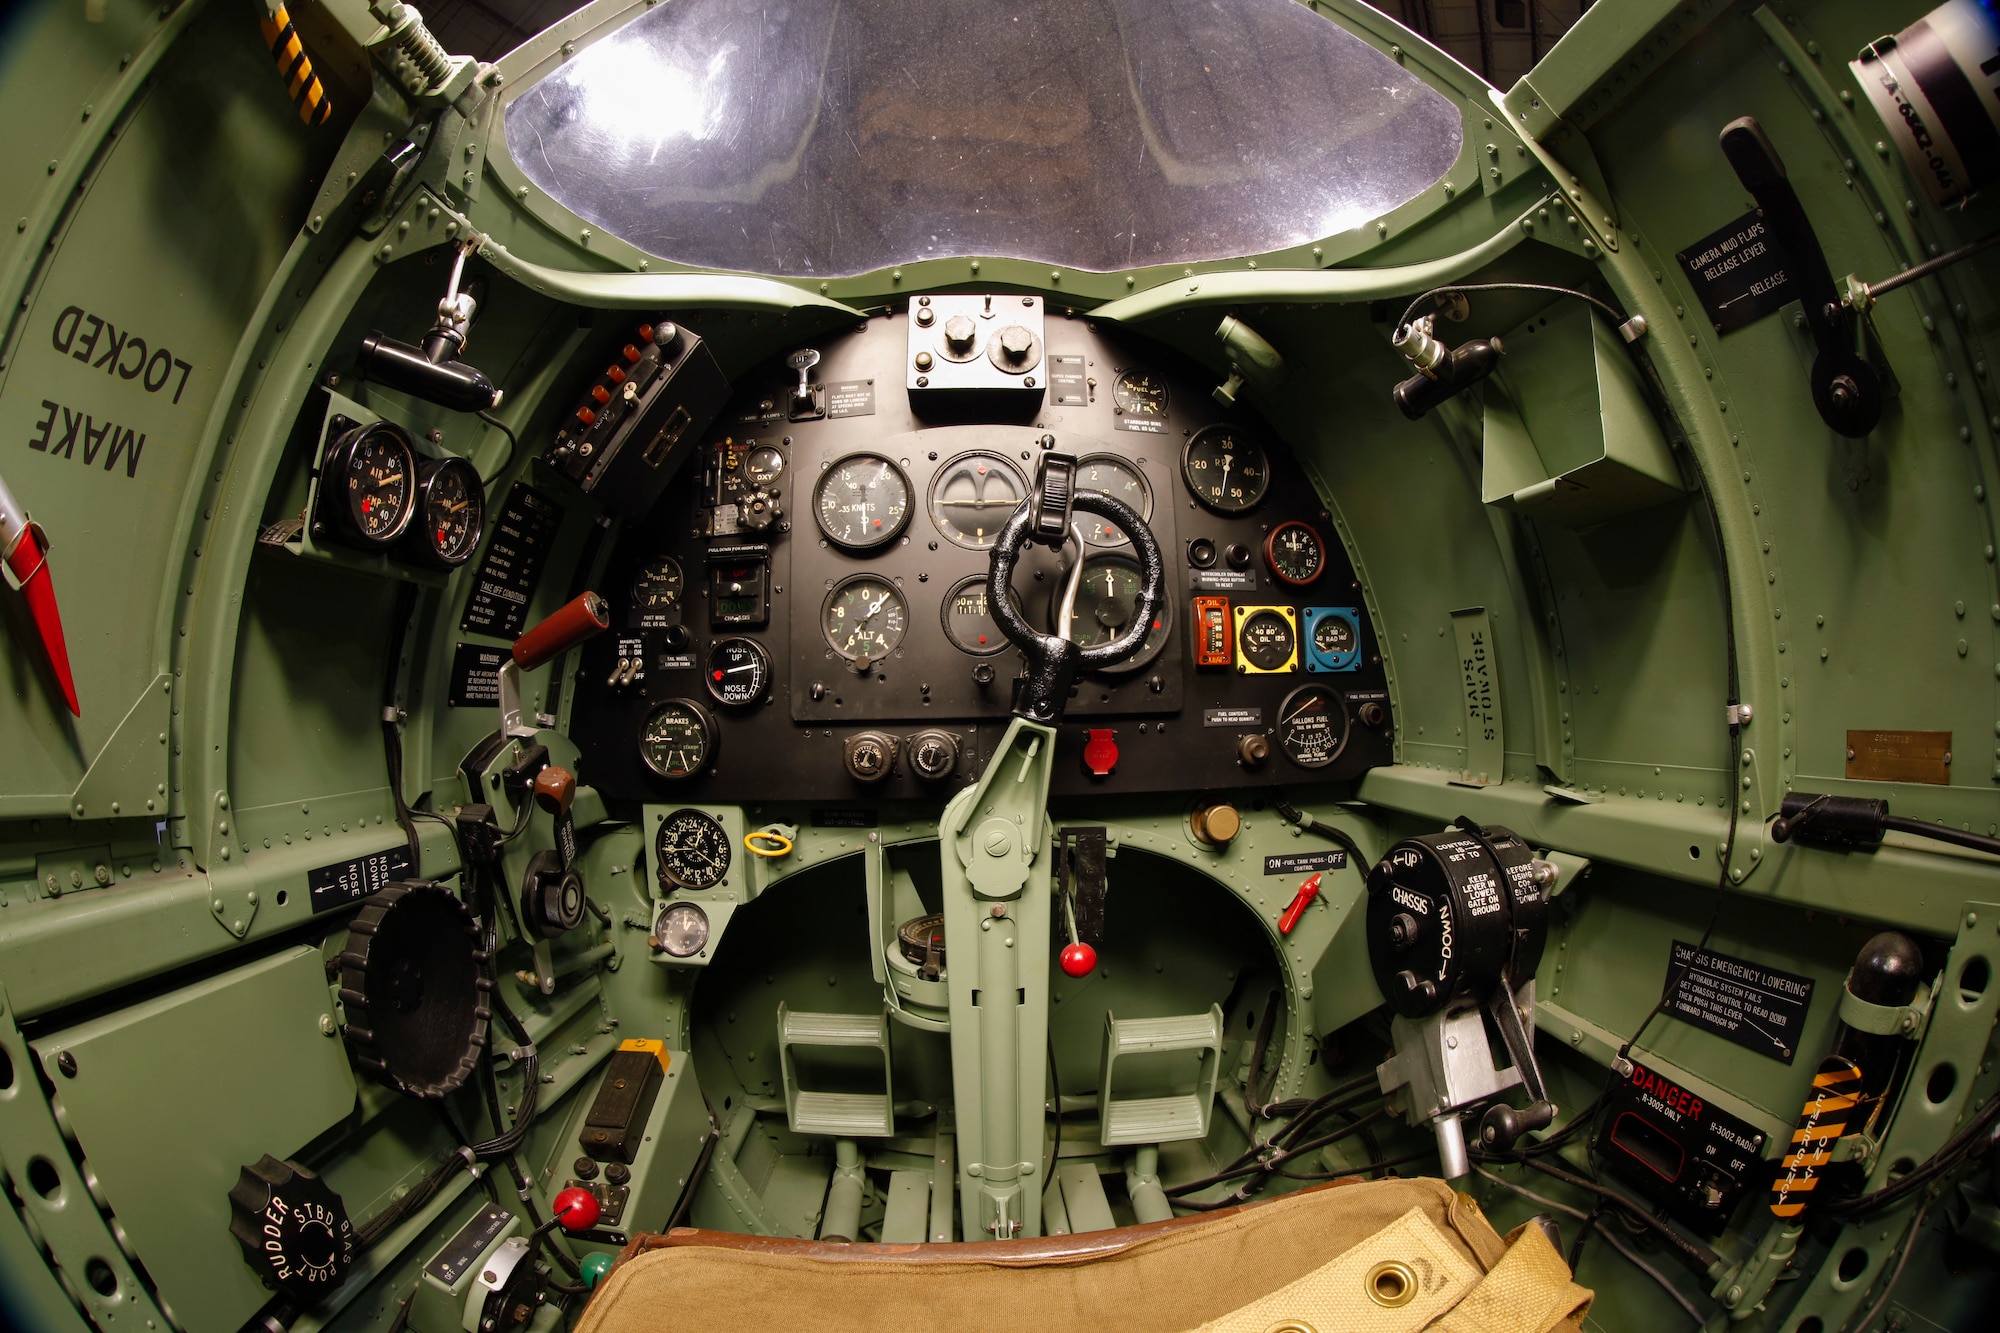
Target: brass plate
(1900, 756)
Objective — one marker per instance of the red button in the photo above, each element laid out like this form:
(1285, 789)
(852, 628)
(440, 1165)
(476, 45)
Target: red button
(585, 415)
(631, 352)
(645, 333)
(615, 375)
(1100, 752)
(600, 393)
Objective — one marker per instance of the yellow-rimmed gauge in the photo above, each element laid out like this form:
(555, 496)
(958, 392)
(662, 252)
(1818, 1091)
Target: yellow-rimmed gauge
(1267, 640)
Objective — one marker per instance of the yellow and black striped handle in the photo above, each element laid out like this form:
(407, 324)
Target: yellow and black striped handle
(295, 67)
(1836, 1092)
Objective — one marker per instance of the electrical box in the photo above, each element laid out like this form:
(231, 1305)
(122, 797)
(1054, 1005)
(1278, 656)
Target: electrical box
(976, 346)
(658, 1133)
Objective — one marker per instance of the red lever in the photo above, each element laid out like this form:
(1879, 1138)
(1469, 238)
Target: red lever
(1300, 901)
(567, 626)
(1077, 959)
(575, 1209)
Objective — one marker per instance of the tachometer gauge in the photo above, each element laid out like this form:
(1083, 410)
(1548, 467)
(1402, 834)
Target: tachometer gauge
(691, 851)
(659, 585)
(739, 672)
(1295, 554)
(972, 495)
(764, 465)
(864, 619)
(1267, 639)
(452, 501)
(1107, 597)
(863, 502)
(366, 484)
(1121, 481)
(1312, 726)
(678, 739)
(1225, 470)
(1140, 393)
(968, 618)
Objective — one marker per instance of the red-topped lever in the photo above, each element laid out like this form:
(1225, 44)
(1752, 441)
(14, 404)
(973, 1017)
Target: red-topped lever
(1077, 959)
(575, 1209)
(1300, 901)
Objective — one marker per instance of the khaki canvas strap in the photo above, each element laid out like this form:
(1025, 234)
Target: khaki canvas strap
(1409, 1276)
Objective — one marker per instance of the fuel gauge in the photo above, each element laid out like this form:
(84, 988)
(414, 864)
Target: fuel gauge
(1140, 393)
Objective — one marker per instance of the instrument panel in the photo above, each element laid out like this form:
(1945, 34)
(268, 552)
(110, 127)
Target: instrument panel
(805, 614)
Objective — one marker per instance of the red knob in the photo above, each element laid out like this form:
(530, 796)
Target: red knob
(645, 333)
(616, 375)
(631, 353)
(586, 416)
(576, 1209)
(600, 393)
(1078, 960)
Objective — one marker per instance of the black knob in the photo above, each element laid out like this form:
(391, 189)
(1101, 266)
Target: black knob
(675, 638)
(293, 1228)
(1238, 556)
(869, 755)
(1252, 751)
(1201, 553)
(983, 674)
(1374, 714)
(551, 897)
(1404, 931)
(583, 1169)
(933, 754)
(618, 1173)
(817, 691)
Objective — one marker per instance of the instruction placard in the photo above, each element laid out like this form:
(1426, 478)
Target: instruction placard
(1752, 1005)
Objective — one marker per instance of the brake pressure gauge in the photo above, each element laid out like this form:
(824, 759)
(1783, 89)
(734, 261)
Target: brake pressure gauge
(1295, 554)
(452, 502)
(367, 483)
(691, 851)
(739, 672)
(678, 739)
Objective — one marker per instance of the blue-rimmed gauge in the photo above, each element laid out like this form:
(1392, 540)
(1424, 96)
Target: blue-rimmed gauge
(1333, 638)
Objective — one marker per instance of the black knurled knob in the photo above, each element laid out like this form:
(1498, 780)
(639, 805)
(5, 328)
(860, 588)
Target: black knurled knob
(293, 1228)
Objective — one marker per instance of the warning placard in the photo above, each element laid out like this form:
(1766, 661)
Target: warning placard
(1750, 1004)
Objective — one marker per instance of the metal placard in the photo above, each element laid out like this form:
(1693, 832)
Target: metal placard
(1485, 738)
(1900, 756)
(1738, 272)
(1757, 1007)
(1304, 863)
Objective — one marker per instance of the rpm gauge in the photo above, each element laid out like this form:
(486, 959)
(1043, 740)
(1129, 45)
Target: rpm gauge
(453, 504)
(1107, 598)
(1140, 393)
(678, 739)
(659, 585)
(367, 482)
(864, 619)
(691, 851)
(1121, 481)
(972, 496)
(1226, 470)
(1294, 553)
(1312, 726)
(968, 618)
(863, 502)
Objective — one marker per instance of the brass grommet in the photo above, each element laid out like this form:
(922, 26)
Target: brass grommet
(1291, 1326)
(1391, 1284)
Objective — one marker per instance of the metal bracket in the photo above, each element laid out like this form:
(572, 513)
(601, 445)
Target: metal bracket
(1904, 1020)
(234, 908)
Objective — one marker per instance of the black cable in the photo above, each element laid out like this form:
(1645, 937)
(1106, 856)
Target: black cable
(1694, 1251)
(685, 1205)
(392, 730)
(1055, 1085)
(1292, 815)
(1617, 316)
(1970, 1142)
(1977, 842)
(513, 446)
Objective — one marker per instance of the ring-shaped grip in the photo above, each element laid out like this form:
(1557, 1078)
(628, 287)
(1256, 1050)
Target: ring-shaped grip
(1152, 582)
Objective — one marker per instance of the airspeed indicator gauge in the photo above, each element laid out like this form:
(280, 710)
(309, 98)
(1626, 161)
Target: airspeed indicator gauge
(1295, 554)
(1312, 726)
(691, 851)
(739, 672)
(678, 739)
(863, 503)
(1226, 470)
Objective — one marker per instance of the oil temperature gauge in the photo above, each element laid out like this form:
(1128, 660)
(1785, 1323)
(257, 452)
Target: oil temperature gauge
(691, 851)
(1267, 640)
(678, 739)
(739, 672)
(1295, 554)
(1312, 726)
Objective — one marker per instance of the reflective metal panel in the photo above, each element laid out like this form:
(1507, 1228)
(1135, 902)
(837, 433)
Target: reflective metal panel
(832, 139)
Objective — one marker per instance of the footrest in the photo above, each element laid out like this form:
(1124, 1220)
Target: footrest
(841, 1114)
(1159, 1119)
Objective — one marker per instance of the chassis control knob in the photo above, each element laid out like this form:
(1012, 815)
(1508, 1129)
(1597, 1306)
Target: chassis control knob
(933, 754)
(293, 1228)
(575, 1209)
(869, 755)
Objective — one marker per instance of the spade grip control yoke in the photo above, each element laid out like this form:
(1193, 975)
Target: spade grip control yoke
(1054, 659)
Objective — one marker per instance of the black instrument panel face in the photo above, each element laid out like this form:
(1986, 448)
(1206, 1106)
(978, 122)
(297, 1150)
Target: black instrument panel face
(818, 571)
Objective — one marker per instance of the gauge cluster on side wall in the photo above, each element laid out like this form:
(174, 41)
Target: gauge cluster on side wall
(805, 615)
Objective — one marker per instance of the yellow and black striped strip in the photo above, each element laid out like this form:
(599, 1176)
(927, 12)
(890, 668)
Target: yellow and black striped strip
(1836, 1092)
(295, 68)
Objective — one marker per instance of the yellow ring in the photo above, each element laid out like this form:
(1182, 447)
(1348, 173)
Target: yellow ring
(783, 845)
(1392, 1284)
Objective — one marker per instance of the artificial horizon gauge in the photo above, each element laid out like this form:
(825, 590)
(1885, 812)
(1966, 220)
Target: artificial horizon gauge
(678, 739)
(1294, 554)
(452, 502)
(968, 618)
(1225, 469)
(691, 851)
(1120, 480)
(972, 496)
(1267, 639)
(739, 672)
(863, 502)
(1107, 597)
(764, 465)
(864, 619)
(1312, 726)
(367, 483)
(1140, 393)
(659, 585)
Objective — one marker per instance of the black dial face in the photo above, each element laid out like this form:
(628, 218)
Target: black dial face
(1332, 635)
(1295, 554)
(1226, 470)
(659, 585)
(1107, 598)
(677, 739)
(1312, 726)
(968, 618)
(1266, 640)
(379, 477)
(1121, 481)
(454, 512)
(863, 502)
(739, 672)
(1140, 393)
(692, 851)
(972, 496)
(764, 466)
(864, 618)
